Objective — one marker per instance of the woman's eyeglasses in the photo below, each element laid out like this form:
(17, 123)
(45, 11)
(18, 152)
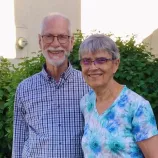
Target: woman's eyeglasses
(97, 61)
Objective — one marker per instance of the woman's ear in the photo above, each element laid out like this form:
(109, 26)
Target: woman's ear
(116, 63)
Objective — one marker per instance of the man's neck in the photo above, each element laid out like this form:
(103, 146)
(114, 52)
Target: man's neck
(55, 71)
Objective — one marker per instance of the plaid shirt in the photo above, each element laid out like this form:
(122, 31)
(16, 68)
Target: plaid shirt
(47, 118)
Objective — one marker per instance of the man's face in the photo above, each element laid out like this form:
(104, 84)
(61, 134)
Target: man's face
(55, 41)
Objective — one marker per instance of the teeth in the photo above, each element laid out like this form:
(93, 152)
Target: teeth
(55, 52)
(95, 75)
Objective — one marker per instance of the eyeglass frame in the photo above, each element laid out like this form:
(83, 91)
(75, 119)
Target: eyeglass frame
(95, 61)
(53, 37)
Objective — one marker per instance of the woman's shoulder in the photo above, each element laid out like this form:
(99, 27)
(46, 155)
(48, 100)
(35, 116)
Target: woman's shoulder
(134, 96)
(87, 99)
(88, 96)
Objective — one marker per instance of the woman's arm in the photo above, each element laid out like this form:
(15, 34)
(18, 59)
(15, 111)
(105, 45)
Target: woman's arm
(149, 147)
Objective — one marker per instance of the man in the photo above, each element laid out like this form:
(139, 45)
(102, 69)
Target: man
(47, 118)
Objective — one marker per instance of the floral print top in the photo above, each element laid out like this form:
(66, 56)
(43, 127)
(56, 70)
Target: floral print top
(114, 133)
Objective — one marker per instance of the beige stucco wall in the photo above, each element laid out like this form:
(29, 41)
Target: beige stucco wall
(29, 13)
(152, 42)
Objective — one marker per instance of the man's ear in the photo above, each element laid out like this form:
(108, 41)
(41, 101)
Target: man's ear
(72, 43)
(39, 41)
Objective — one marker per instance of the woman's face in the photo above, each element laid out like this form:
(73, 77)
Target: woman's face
(98, 68)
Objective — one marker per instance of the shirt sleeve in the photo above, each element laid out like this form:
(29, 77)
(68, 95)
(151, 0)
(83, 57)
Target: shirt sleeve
(20, 129)
(144, 123)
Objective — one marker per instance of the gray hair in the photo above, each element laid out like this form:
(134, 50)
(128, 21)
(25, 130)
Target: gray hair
(55, 15)
(99, 42)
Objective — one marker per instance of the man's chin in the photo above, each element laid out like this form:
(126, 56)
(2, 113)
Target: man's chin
(55, 63)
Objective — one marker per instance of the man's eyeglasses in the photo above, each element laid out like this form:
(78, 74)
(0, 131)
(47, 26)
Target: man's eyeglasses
(62, 39)
(97, 61)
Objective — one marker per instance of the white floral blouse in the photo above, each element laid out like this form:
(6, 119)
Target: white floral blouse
(114, 133)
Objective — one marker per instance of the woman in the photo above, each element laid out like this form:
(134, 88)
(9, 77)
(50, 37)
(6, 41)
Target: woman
(119, 123)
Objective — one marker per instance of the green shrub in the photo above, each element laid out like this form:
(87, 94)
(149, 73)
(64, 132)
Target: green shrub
(10, 78)
(5, 80)
(138, 70)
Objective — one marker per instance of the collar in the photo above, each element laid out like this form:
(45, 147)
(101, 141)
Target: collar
(65, 75)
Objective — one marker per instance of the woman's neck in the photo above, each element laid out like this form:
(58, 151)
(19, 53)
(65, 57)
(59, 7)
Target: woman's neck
(109, 92)
(106, 96)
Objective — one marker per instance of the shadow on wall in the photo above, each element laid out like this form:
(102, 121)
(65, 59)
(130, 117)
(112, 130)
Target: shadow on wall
(152, 43)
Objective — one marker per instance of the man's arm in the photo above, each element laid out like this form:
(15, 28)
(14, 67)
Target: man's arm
(20, 129)
(149, 147)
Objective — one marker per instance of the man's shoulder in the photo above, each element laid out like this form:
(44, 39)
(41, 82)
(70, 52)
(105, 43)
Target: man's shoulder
(77, 74)
(30, 80)
(76, 71)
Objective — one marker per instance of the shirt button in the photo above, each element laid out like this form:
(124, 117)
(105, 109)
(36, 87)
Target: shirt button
(59, 124)
(59, 143)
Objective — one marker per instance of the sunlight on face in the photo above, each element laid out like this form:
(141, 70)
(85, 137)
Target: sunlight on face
(101, 75)
(55, 56)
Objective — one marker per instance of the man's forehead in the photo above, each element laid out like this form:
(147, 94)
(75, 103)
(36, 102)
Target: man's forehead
(56, 26)
(56, 19)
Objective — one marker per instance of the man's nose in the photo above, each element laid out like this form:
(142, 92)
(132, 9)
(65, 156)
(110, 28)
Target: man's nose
(55, 42)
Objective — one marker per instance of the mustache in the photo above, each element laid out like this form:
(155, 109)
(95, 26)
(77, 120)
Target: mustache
(55, 49)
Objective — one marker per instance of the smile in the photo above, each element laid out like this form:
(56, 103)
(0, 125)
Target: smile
(55, 52)
(94, 75)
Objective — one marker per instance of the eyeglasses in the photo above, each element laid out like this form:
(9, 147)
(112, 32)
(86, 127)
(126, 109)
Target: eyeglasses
(97, 61)
(62, 39)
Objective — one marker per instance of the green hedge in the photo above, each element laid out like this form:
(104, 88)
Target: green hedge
(138, 70)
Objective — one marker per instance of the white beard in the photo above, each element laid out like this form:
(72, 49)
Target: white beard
(58, 62)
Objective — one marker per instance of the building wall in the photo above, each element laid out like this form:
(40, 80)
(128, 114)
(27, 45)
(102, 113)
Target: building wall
(28, 16)
(7, 29)
(152, 43)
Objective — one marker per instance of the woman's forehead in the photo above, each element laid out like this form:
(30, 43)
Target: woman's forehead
(96, 54)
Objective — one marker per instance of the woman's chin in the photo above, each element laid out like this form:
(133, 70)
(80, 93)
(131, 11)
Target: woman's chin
(95, 85)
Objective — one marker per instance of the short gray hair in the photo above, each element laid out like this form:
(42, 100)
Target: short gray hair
(99, 42)
(55, 15)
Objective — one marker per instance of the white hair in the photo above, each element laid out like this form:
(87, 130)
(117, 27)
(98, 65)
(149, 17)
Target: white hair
(99, 42)
(55, 15)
